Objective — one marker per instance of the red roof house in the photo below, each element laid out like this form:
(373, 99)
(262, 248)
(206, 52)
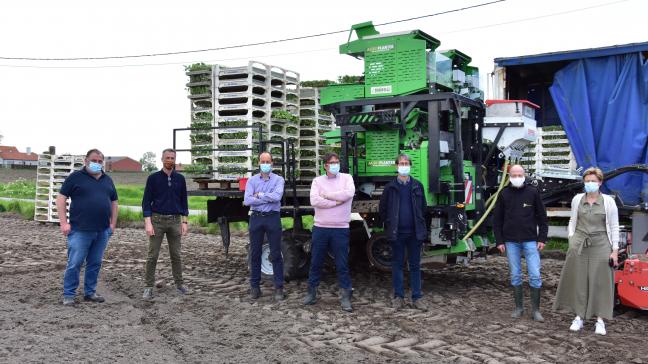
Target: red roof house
(10, 156)
(122, 164)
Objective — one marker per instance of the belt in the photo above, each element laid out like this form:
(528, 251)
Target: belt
(262, 213)
(586, 242)
(166, 216)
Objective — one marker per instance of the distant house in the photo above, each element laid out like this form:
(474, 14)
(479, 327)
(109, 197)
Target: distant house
(11, 157)
(122, 164)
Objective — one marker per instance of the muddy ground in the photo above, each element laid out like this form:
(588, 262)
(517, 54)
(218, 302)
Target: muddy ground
(468, 319)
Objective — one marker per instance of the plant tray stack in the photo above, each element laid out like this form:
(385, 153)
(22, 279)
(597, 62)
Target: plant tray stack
(284, 111)
(314, 122)
(202, 118)
(239, 101)
(50, 175)
(551, 155)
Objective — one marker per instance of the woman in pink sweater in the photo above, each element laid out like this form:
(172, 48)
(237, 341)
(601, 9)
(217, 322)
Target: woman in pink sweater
(331, 196)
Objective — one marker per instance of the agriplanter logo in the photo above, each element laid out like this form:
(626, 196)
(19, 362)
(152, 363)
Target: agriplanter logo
(380, 163)
(382, 48)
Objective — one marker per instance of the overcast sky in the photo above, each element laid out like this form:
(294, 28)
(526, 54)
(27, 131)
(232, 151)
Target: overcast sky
(130, 106)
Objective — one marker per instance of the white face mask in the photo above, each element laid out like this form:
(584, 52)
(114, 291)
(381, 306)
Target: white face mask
(517, 182)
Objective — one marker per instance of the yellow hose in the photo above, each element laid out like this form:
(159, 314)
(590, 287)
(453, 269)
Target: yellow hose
(490, 203)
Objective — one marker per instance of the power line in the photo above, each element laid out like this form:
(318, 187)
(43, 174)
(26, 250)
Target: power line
(535, 17)
(245, 44)
(312, 50)
(170, 63)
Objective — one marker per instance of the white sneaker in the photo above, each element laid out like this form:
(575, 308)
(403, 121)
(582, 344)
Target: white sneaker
(600, 328)
(576, 325)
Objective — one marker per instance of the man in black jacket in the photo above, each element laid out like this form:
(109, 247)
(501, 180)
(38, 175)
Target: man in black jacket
(520, 226)
(402, 209)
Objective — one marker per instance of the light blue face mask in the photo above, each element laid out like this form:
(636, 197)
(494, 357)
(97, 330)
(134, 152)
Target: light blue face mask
(94, 167)
(591, 187)
(334, 168)
(404, 170)
(265, 167)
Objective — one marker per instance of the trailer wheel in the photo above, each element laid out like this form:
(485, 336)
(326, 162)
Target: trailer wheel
(295, 256)
(266, 264)
(379, 252)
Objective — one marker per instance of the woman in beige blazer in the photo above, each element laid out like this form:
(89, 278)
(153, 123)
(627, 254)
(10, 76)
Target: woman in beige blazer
(586, 285)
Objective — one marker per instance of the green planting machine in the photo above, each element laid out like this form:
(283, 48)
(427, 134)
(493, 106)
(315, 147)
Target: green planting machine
(416, 100)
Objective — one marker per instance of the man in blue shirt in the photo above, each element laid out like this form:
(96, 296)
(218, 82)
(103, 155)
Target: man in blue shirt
(165, 209)
(263, 194)
(93, 217)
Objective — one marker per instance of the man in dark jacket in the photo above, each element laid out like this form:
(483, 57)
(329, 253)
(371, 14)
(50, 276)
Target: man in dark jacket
(166, 209)
(520, 226)
(402, 209)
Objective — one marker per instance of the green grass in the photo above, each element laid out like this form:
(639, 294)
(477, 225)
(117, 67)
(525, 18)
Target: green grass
(26, 209)
(557, 244)
(129, 195)
(18, 189)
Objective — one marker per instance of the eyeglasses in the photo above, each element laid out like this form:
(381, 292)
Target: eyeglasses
(169, 180)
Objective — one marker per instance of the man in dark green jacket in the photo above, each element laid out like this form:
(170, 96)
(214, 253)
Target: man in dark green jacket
(402, 210)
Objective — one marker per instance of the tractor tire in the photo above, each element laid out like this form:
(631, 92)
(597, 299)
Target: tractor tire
(266, 265)
(296, 261)
(379, 252)
(295, 258)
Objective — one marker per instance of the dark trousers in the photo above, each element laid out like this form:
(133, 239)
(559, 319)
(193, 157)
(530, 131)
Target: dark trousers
(337, 240)
(169, 225)
(259, 227)
(413, 246)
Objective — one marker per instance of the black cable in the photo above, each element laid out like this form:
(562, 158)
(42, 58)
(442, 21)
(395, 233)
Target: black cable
(245, 44)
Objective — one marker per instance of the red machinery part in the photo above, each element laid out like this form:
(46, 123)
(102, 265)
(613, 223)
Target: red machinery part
(632, 283)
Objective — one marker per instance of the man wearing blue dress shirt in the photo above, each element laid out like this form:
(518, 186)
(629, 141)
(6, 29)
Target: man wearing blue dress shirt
(263, 194)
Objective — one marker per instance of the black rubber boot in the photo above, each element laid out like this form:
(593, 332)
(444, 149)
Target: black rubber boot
(518, 294)
(311, 297)
(279, 294)
(345, 301)
(535, 305)
(255, 293)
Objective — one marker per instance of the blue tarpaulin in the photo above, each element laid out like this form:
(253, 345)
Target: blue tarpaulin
(603, 106)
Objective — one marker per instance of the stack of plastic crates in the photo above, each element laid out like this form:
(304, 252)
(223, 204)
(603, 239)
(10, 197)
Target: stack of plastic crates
(241, 99)
(314, 122)
(202, 118)
(239, 102)
(51, 173)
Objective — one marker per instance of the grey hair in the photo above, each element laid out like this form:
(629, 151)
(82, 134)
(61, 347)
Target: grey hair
(405, 157)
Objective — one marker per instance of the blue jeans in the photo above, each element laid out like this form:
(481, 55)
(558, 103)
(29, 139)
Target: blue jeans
(514, 253)
(259, 227)
(413, 246)
(88, 247)
(336, 240)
